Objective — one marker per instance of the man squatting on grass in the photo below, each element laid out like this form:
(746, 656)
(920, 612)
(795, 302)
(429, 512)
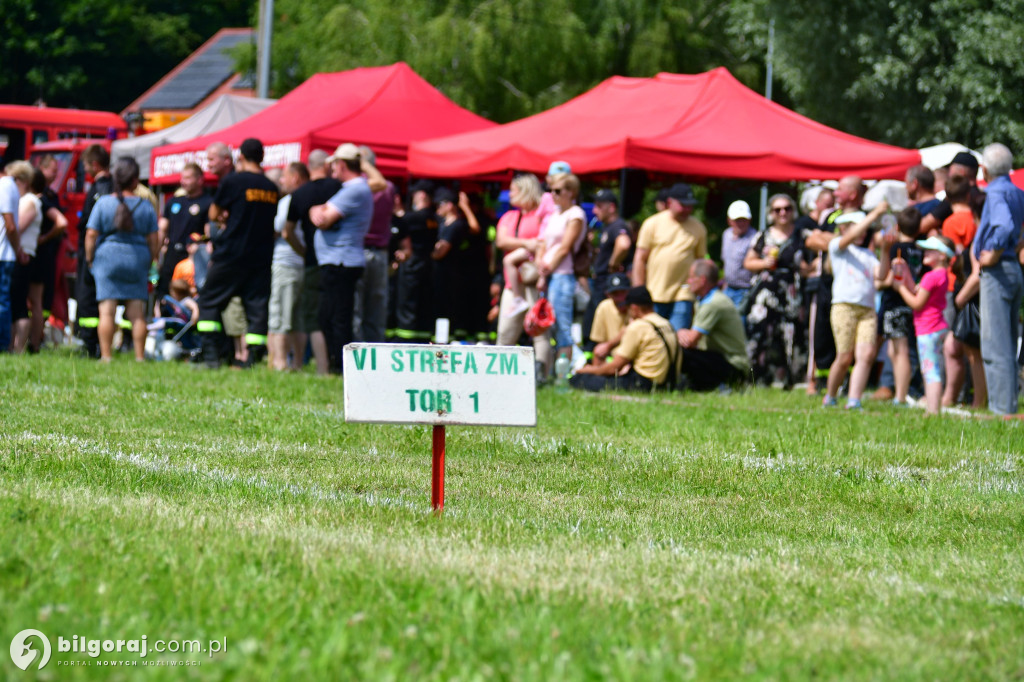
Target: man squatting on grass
(643, 359)
(855, 270)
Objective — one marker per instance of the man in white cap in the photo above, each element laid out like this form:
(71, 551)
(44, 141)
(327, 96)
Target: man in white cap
(341, 224)
(736, 242)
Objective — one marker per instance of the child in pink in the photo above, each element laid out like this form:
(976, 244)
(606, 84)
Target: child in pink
(928, 301)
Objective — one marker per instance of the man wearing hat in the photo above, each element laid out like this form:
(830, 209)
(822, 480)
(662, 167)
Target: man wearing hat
(964, 165)
(648, 349)
(614, 253)
(246, 204)
(736, 241)
(341, 225)
(610, 318)
(668, 244)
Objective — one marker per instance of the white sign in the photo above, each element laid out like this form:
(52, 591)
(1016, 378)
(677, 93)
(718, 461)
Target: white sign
(424, 384)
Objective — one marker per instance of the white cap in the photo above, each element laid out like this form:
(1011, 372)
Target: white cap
(344, 152)
(739, 209)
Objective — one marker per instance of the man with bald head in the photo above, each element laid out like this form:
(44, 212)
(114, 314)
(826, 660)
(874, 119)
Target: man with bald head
(218, 160)
(320, 188)
(848, 195)
(999, 248)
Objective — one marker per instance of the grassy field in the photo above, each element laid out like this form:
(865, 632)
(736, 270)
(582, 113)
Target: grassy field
(753, 535)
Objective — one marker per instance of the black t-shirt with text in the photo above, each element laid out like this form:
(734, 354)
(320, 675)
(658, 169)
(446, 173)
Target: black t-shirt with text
(248, 235)
(304, 198)
(185, 216)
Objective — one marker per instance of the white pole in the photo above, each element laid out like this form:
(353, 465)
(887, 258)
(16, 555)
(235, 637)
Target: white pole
(768, 95)
(266, 30)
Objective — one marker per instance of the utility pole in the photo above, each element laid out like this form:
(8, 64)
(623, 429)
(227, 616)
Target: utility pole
(768, 95)
(263, 35)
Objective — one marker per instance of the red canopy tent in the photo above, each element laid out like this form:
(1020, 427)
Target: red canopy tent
(383, 107)
(704, 125)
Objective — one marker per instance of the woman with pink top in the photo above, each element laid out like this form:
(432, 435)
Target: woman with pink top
(928, 301)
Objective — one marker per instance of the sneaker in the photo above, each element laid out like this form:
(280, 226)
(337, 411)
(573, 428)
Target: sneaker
(883, 393)
(517, 307)
(899, 403)
(828, 401)
(853, 404)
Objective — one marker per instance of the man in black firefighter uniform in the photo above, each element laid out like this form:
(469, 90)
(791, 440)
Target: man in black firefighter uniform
(96, 160)
(183, 216)
(246, 202)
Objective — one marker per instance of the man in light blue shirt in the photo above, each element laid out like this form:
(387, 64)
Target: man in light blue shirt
(997, 246)
(341, 224)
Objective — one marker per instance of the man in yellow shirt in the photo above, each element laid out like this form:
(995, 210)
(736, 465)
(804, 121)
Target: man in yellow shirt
(645, 359)
(610, 318)
(668, 244)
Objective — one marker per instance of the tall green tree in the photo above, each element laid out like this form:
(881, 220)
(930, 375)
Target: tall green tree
(100, 54)
(506, 59)
(912, 73)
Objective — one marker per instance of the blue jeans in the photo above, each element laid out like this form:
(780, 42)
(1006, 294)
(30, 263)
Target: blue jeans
(6, 270)
(1002, 287)
(561, 289)
(737, 296)
(679, 314)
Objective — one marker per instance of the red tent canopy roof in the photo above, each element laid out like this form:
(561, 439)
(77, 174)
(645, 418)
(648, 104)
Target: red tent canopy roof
(383, 107)
(704, 125)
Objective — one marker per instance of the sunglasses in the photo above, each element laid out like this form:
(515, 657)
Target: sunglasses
(560, 190)
(782, 209)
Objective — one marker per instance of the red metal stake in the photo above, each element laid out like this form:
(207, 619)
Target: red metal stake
(437, 470)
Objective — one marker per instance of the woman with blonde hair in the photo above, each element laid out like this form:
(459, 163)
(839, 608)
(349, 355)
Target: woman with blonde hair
(518, 228)
(561, 238)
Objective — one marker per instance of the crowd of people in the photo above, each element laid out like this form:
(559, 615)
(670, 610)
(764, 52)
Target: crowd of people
(299, 262)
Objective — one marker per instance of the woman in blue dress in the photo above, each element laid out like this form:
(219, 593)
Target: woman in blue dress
(120, 244)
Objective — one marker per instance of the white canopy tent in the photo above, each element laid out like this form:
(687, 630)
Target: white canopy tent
(225, 111)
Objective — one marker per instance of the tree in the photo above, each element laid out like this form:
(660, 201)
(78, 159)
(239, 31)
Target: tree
(912, 73)
(100, 54)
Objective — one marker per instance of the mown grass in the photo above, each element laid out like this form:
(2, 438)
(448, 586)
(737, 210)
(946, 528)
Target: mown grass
(694, 537)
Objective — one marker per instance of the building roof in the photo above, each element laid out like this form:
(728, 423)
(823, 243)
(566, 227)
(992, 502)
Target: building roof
(202, 73)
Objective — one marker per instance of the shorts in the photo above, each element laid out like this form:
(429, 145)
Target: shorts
(929, 352)
(852, 325)
(233, 317)
(898, 323)
(285, 294)
(309, 301)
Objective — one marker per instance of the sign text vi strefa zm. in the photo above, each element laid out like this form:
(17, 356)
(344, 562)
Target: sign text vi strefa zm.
(440, 384)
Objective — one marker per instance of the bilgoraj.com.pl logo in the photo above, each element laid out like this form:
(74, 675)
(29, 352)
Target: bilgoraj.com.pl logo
(31, 648)
(22, 652)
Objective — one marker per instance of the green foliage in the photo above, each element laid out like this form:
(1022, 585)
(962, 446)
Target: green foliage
(911, 73)
(100, 54)
(505, 59)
